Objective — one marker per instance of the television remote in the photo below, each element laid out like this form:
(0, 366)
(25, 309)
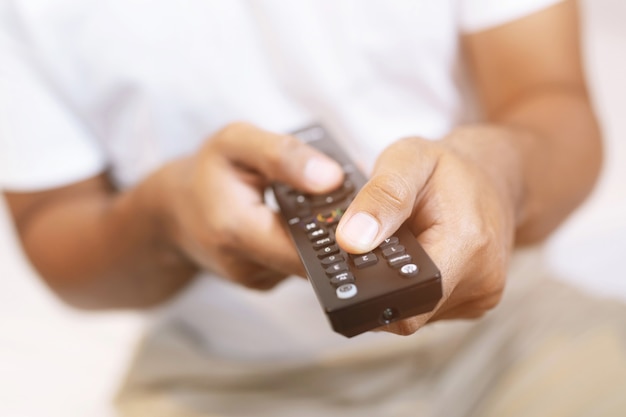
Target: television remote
(357, 292)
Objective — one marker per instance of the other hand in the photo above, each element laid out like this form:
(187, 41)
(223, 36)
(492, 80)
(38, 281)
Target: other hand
(214, 209)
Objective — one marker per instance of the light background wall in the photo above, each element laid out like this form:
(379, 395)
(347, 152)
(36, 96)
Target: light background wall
(58, 362)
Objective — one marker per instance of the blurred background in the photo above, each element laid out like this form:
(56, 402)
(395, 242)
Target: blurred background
(55, 361)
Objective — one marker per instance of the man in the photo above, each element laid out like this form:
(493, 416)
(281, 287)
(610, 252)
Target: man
(138, 142)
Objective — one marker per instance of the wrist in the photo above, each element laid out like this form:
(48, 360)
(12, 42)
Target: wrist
(497, 152)
(154, 202)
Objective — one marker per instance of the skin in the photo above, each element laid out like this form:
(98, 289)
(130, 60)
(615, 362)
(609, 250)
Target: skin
(471, 197)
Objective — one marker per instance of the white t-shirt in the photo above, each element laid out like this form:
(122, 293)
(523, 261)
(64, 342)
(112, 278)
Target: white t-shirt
(87, 85)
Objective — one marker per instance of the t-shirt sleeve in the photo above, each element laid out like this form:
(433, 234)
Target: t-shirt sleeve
(43, 143)
(477, 15)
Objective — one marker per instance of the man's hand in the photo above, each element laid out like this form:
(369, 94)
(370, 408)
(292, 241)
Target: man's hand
(480, 190)
(214, 204)
(99, 248)
(464, 218)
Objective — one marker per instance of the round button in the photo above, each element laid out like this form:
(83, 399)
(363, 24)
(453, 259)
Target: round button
(409, 270)
(330, 217)
(346, 291)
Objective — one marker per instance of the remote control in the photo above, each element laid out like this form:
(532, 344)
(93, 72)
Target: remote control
(357, 292)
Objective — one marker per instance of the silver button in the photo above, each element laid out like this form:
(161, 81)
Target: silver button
(346, 291)
(409, 270)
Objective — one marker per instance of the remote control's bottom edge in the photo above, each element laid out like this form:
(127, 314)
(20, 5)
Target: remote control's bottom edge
(378, 312)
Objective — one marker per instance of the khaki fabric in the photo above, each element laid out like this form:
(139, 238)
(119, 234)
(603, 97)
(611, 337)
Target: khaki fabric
(548, 349)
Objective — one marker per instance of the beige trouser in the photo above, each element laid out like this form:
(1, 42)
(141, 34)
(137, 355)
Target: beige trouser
(547, 350)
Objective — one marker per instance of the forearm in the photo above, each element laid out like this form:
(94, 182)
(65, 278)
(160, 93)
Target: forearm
(100, 249)
(531, 82)
(471, 197)
(546, 155)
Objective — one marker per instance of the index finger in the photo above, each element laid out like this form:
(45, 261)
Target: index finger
(388, 198)
(280, 157)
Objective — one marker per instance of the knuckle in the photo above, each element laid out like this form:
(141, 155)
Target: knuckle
(240, 276)
(491, 302)
(204, 236)
(279, 152)
(252, 276)
(224, 136)
(287, 144)
(482, 306)
(475, 233)
(234, 268)
(482, 243)
(205, 240)
(491, 291)
(224, 235)
(411, 142)
(390, 191)
(493, 288)
(233, 128)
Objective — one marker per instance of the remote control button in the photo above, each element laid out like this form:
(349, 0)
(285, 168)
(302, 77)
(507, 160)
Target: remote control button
(338, 195)
(301, 200)
(328, 250)
(309, 225)
(348, 186)
(365, 260)
(346, 291)
(390, 241)
(341, 279)
(316, 234)
(409, 270)
(332, 259)
(320, 243)
(336, 268)
(330, 217)
(390, 251)
(302, 205)
(400, 260)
